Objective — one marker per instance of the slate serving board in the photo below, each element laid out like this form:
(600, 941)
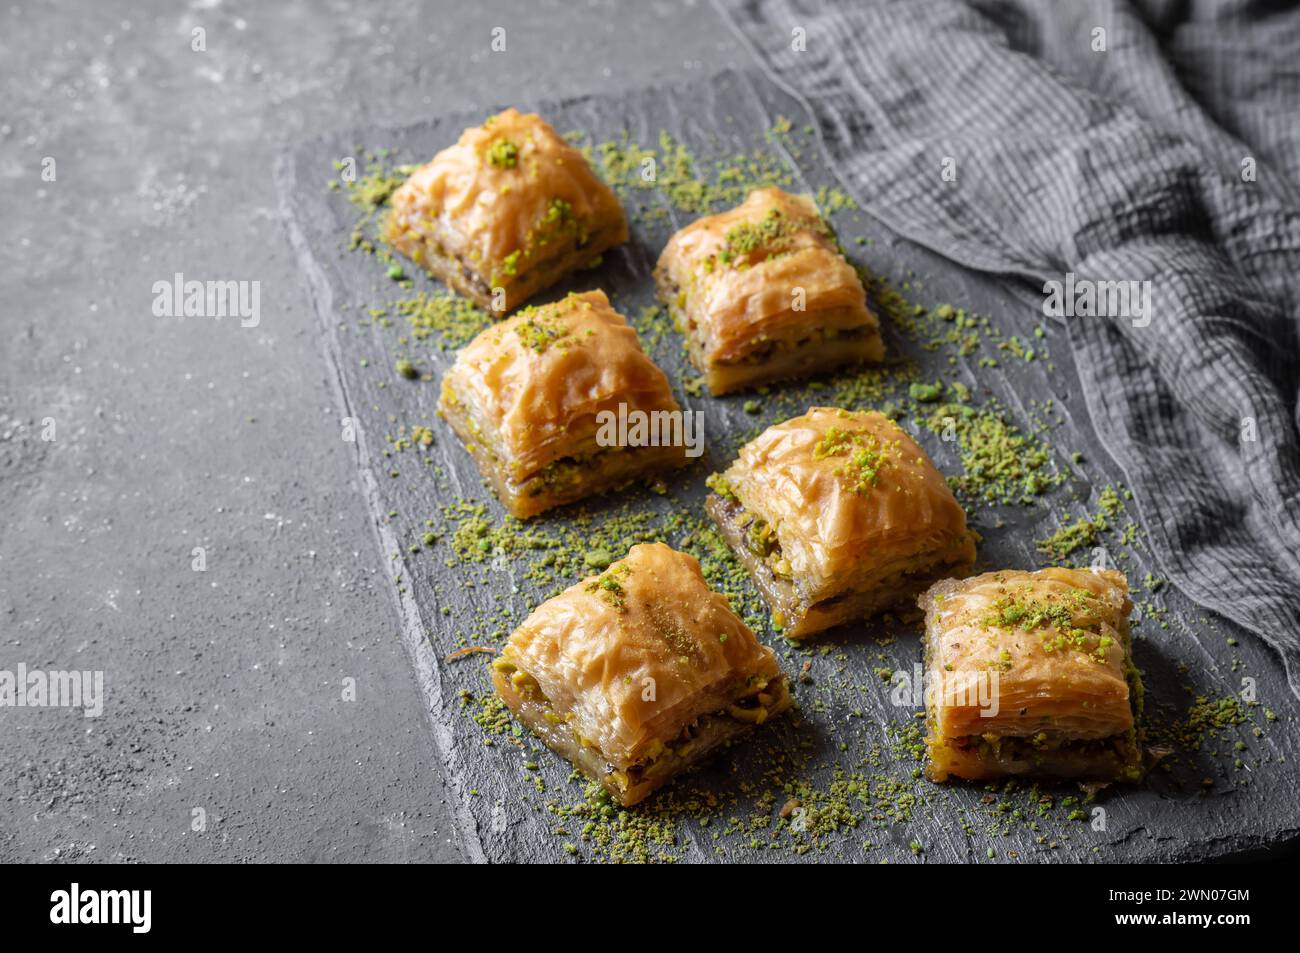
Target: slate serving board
(847, 751)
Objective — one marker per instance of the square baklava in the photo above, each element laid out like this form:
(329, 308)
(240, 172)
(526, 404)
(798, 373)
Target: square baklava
(639, 673)
(763, 293)
(530, 398)
(837, 515)
(1030, 674)
(511, 208)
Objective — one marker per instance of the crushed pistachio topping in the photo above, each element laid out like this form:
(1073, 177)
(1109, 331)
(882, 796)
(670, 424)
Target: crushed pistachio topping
(557, 213)
(558, 222)
(925, 393)
(866, 455)
(1071, 537)
(510, 263)
(599, 559)
(684, 181)
(1086, 530)
(503, 154)
(751, 236)
(370, 193)
(374, 188)
(539, 330)
(719, 485)
(451, 321)
(608, 585)
(770, 234)
(1056, 617)
(1215, 714)
(1002, 464)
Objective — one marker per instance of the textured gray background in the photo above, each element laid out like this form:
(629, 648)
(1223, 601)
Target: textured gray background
(223, 686)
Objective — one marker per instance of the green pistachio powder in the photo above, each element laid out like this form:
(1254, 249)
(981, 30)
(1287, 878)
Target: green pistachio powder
(1002, 464)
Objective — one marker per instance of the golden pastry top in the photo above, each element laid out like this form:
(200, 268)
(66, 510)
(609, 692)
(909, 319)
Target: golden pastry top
(533, 385)
(738, 272)
(637, 653)
(509, 193)
(1057, 640)
(842, 488)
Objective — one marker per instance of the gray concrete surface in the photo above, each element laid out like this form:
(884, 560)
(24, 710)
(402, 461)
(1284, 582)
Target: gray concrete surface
(223, 687)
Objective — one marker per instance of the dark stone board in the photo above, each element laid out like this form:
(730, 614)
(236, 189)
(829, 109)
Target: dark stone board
(848, 752)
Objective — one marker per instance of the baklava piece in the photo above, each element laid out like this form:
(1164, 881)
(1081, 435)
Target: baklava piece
(763, 293)
(526, 398)
(838, 515)
(1029, 674)
(511, 206)
(639, 673)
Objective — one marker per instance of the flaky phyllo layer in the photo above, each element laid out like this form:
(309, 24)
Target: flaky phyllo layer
(526, 397)
(636, 674)
(837, 514)
(762, 292)
(510, 206)
(1054, 646)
